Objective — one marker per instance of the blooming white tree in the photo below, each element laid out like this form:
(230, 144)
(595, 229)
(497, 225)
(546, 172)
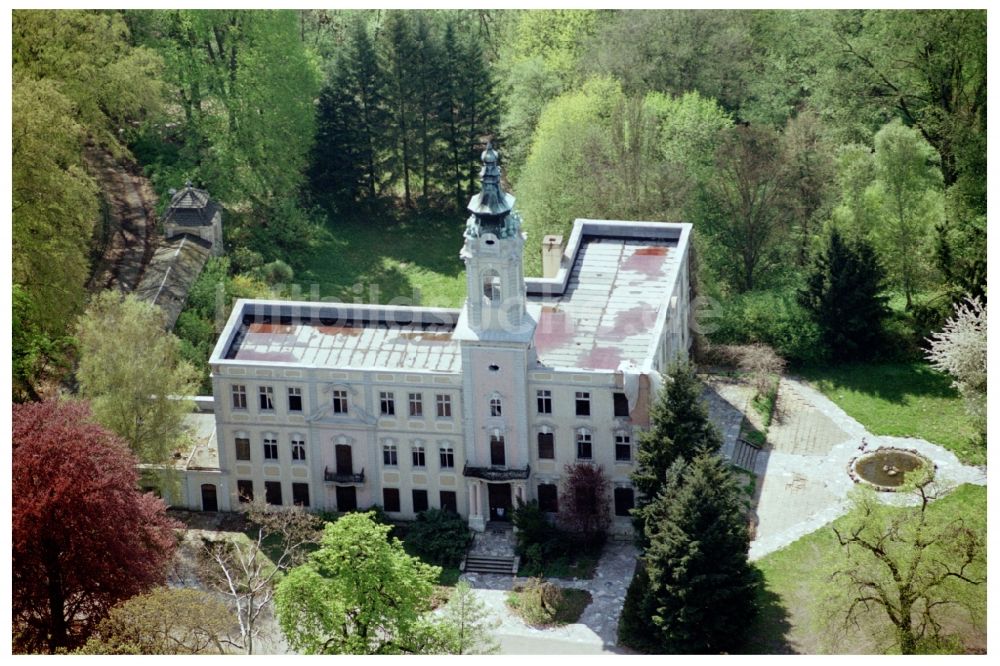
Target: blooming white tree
(960, 350)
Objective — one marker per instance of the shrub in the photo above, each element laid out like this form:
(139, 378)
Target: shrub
(635, 626)
(774, 318)
(439, 537)
(538, 602)
(583, 502)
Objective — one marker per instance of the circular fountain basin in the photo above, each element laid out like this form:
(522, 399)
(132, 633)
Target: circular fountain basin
(887, 468)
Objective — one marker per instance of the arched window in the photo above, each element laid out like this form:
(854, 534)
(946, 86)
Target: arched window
(496, 406)
(491, 287)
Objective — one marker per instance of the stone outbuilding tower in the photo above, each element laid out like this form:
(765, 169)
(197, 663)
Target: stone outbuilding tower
(193, 212)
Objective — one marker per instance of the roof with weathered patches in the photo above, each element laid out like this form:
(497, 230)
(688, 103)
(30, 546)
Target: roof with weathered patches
(191, 207)
(342, 338)
(607, 313)
(173, 269)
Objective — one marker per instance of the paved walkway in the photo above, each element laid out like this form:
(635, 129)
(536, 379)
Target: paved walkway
(805, 483)
(597, 630)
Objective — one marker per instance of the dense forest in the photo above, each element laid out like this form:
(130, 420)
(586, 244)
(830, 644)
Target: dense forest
(765, 129)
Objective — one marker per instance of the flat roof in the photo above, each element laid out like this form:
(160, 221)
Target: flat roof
(616, 291)
(338, 336)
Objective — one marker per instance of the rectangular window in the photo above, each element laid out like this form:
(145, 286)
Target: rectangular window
(239, 396)
(347, 498)
(546, 446)
(389, 455)
(624, 501)
(548, 497)
(584, 450)
(420, 500)
(496, 407)
(339, 401)
(272, 492)
(498, 452)
(244, 488)
(387, 401)
(416, 404)
(298, 448)
(242, 448)
(444, 406)
(582, 403)
(621, 405)
(623, 448)
(544, 402)
(267, 398)
(295, 400)
(270, 449)
(447, 457)
(449, 501)
(419, 459)
(390, 499)
(300, 494)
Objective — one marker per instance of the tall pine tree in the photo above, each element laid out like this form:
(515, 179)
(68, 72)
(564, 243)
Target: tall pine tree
(702, 588)
(680, 430)
(843, 294)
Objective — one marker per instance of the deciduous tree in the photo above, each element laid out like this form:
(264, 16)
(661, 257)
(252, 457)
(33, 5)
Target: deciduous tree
(583, 501)
(906, 566)
(245, 571)
(360, 593)
(131, 370)
(163, 621)
(960, 350)
(465, 624)
(83, 537)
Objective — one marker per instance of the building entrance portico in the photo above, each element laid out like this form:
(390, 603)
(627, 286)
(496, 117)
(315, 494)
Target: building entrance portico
(500, 501)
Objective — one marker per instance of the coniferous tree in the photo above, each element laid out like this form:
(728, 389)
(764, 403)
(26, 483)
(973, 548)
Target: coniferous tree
(401, 92)
(426, 75)
(480, 104)
(338, 173)
(701, 585)
(364, 81)
(843, 294)
(680, 430)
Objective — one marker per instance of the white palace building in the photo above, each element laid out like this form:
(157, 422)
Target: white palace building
(341, 406)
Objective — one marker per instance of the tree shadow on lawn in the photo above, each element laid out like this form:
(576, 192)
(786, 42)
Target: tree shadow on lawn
(769, 632)
(892, 382)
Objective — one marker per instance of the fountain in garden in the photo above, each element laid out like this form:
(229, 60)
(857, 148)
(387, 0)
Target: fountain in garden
(888, 468)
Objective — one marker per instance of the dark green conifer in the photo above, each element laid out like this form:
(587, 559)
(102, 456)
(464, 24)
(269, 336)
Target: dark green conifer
(843, 294)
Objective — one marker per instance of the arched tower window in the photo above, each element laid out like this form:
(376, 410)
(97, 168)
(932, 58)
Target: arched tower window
(491, 287)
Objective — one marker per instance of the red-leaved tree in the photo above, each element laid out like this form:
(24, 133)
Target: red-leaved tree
(84, 536)
(583, 501)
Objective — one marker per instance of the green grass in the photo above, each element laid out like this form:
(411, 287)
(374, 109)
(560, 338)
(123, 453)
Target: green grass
(410, 261)
(903, 400)
(797, 581)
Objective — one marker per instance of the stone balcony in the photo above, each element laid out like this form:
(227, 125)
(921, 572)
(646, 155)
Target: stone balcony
(332, 476)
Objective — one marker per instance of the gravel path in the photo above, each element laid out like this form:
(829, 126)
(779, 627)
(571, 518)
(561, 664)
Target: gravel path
(805, 483)
(597, 630)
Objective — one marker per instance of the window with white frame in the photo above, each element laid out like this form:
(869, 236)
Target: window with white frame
(266, 398)
(582, 403)
(270, 447)
(546, 444)
(584, 448)
(447, 456)
(419, 455)
(294, 399)
(387, 403)
(416, 404)
(491, 287)
(298, 448)
(339, 401)
(443, 406)
(239, 396)
(242, 447)
(496, 406)
(544, 401)
(623, 447)
(389, 455)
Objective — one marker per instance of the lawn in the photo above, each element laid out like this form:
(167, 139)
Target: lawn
(797, 579)
(410, 261)
(568, 609)
(902, 399)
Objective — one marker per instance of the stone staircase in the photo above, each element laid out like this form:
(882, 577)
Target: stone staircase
(492, 552)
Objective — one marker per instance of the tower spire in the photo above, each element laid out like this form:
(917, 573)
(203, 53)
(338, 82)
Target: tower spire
(491, 207)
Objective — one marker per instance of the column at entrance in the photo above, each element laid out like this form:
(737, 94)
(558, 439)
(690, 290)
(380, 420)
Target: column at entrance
(476, 520)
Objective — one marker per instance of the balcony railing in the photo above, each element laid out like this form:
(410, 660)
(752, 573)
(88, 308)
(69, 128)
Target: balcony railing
(498, 473)
(336, 477)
